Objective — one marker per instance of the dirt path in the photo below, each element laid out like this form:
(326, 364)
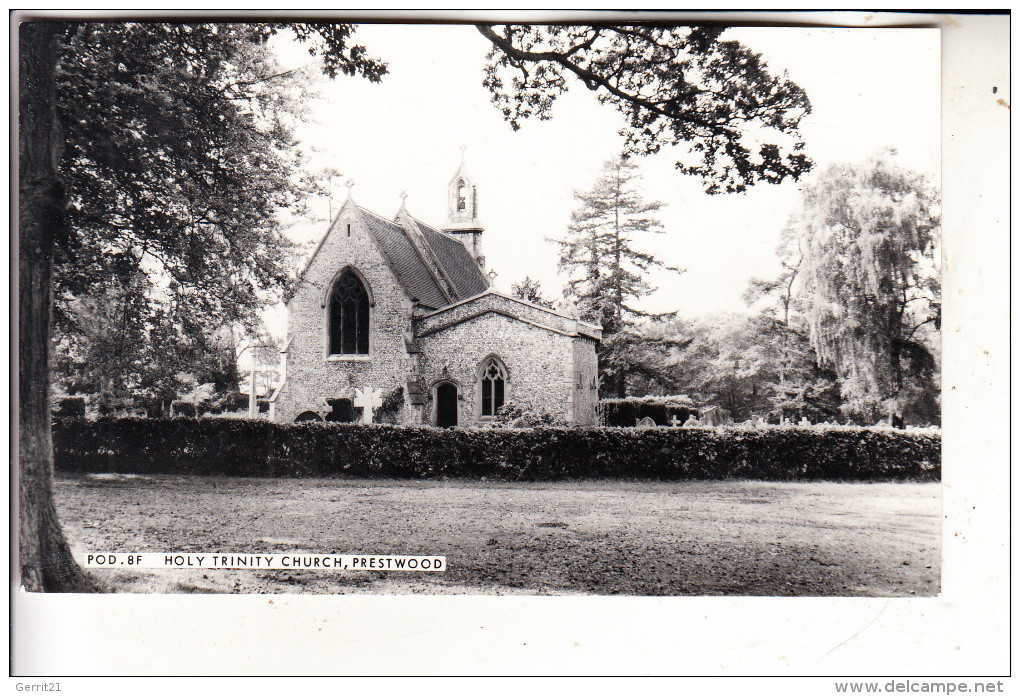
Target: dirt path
(597, 537)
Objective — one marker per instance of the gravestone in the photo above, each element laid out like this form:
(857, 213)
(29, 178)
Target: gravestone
(646, 422)
(369, 400)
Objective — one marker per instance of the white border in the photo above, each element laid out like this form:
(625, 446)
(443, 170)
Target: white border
(963, 632)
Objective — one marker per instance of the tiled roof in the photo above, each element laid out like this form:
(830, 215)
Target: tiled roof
(457, 262)
(411, 269)
(434, 268)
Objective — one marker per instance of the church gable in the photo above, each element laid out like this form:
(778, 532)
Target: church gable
(433, 268)
(348, 242)
(492, 302)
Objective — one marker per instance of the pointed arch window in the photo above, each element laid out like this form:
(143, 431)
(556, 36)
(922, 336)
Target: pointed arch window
(348, 316)
(493, 386)
(461, 198)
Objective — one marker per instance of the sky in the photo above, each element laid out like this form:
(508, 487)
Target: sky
(869, 89)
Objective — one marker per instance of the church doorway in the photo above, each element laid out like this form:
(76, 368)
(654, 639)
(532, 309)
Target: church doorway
(446, 405)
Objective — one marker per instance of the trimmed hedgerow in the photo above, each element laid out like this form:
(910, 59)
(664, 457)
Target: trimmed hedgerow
(261, 448)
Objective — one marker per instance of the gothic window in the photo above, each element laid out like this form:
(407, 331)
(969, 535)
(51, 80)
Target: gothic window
(348, 316)
(461, 198)
(493, 387)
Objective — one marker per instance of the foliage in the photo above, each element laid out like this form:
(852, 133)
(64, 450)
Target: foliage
(105, 347)
(661, 409)
(70, 407)
(676, 86)
(233, 447)
(751, 366)
(178, 156)
(392, 402)
(871, 283)
(644, 358)
(186, 409)
(530, 290)
(605, 271)
(780, 289)
(521, 414)
(99, 341)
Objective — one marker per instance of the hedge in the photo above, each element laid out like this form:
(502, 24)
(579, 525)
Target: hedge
(260, 448)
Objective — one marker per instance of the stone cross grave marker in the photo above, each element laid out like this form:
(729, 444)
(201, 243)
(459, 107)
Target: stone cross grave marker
(368, 399)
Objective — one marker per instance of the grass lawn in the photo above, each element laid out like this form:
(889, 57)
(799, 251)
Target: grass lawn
(591, 537)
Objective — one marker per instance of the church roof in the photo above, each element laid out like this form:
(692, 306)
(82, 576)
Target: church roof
(411, 269)
(434, 268)
(457, 262)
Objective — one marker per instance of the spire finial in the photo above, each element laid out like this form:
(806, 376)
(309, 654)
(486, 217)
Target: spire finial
(350, 186)
(463, 149)
(403, 198)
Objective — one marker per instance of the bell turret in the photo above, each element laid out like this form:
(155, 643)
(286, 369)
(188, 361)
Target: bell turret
(462, 221)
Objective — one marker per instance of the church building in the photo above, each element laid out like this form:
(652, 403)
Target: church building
(397, 321)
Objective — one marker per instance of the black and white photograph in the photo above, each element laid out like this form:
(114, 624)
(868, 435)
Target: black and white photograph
(322, 310)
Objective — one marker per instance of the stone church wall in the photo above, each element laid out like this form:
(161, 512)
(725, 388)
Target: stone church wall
(539, 364)
(497, 303)
(586, 371)
(312, 376)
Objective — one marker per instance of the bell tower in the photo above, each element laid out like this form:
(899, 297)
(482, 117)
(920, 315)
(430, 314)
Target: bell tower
(462, 202)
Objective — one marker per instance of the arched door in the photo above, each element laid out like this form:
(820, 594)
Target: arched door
(446, 405)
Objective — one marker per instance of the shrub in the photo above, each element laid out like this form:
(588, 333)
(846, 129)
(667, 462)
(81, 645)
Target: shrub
(235, 447)
(184, 408)
(390, 407)
(628, 411)
(520, 414)
(343, 411)
(233, 402)
(70, 407)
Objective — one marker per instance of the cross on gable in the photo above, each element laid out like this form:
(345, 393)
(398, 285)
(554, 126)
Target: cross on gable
(368, 399)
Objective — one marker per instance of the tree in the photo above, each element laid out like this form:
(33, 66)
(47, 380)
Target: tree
(801, 388)
(530, 290)
(871, 283)
(99, 109)
(183, 175)
(750, 365)
(45, 560)
(645, 357)
(780, 289)
(676, 86)
(605, 271)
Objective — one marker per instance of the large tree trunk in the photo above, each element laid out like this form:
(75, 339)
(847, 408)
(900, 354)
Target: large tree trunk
(45, 560)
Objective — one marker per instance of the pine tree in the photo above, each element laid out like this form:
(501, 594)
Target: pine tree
(606, 273)
(530, 290)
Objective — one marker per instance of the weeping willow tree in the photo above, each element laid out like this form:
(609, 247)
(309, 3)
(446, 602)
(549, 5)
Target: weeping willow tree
(870, 285)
